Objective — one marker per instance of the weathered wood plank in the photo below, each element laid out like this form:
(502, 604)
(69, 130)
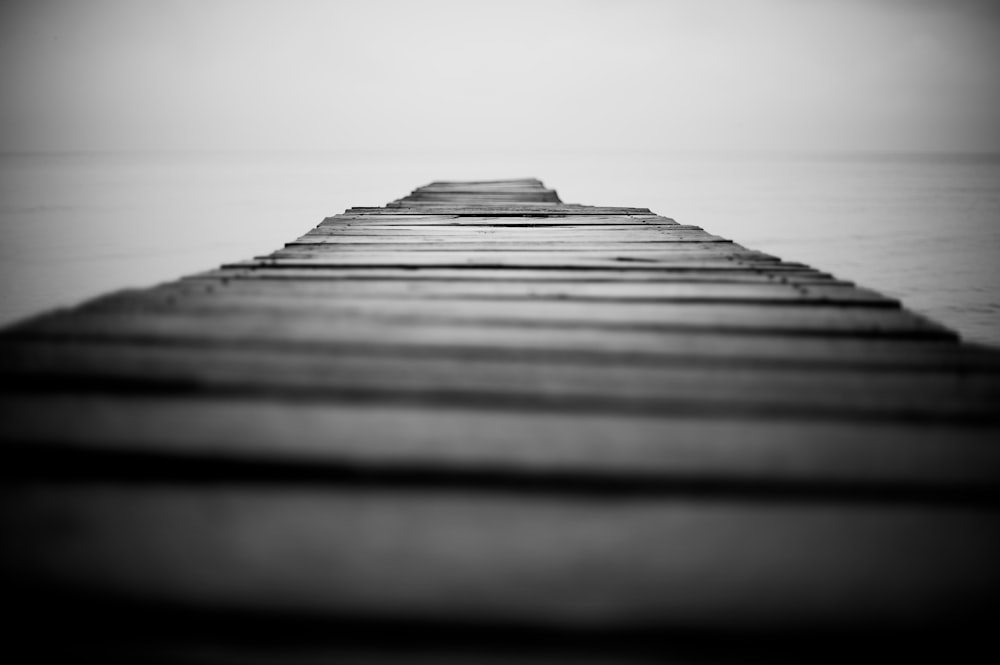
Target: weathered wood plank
(526, 235)
(789, 318)
(489, 190)
(495, 182)
(652, 454)
(388, 217)
(581, 345)
(763, 391)
(484, 556)
(552, 210)
(510, 233)
(649, 253)
(703, 243)
(562, 231)
(723, 260)
(627, 291)
(480, 198)
(252, 270)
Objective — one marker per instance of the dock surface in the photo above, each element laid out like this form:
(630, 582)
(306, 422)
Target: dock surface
(482, 425)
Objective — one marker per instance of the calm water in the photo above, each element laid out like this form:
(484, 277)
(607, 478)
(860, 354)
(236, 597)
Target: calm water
(926, 230)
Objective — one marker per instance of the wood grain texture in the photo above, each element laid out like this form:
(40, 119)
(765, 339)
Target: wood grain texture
(805, 317)
(287, 270)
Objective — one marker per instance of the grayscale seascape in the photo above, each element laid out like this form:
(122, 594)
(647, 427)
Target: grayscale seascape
(448, 331)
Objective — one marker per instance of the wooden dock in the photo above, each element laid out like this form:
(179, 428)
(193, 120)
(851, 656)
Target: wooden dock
(482, 425)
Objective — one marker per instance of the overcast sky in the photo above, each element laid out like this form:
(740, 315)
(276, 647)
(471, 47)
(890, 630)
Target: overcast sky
(298, 74)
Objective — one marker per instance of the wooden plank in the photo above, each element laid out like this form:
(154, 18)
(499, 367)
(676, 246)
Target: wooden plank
(513, 234)
(808, 319)
(494, 557)
(722, 259)
(511, 189)
(466, 190)
(652, 454)
(487, 213)
(251, 270)
(479, 198)
(563, 231)
(505, 233)
(479, 202)
(526, 232)
(624, 292)
(509, 210)
(497, 221)
(580, 345)
(347, 217)
(481, 188)
(295, 374)
(495, 182)
(704, 243)
(625, 251)
(666, 252)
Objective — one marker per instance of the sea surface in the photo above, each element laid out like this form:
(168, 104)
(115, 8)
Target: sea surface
(922, 228)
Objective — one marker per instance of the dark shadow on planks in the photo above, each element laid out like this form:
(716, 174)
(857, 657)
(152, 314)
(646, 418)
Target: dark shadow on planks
(481, 424)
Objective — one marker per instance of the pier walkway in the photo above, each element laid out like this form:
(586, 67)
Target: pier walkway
(482, 425)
